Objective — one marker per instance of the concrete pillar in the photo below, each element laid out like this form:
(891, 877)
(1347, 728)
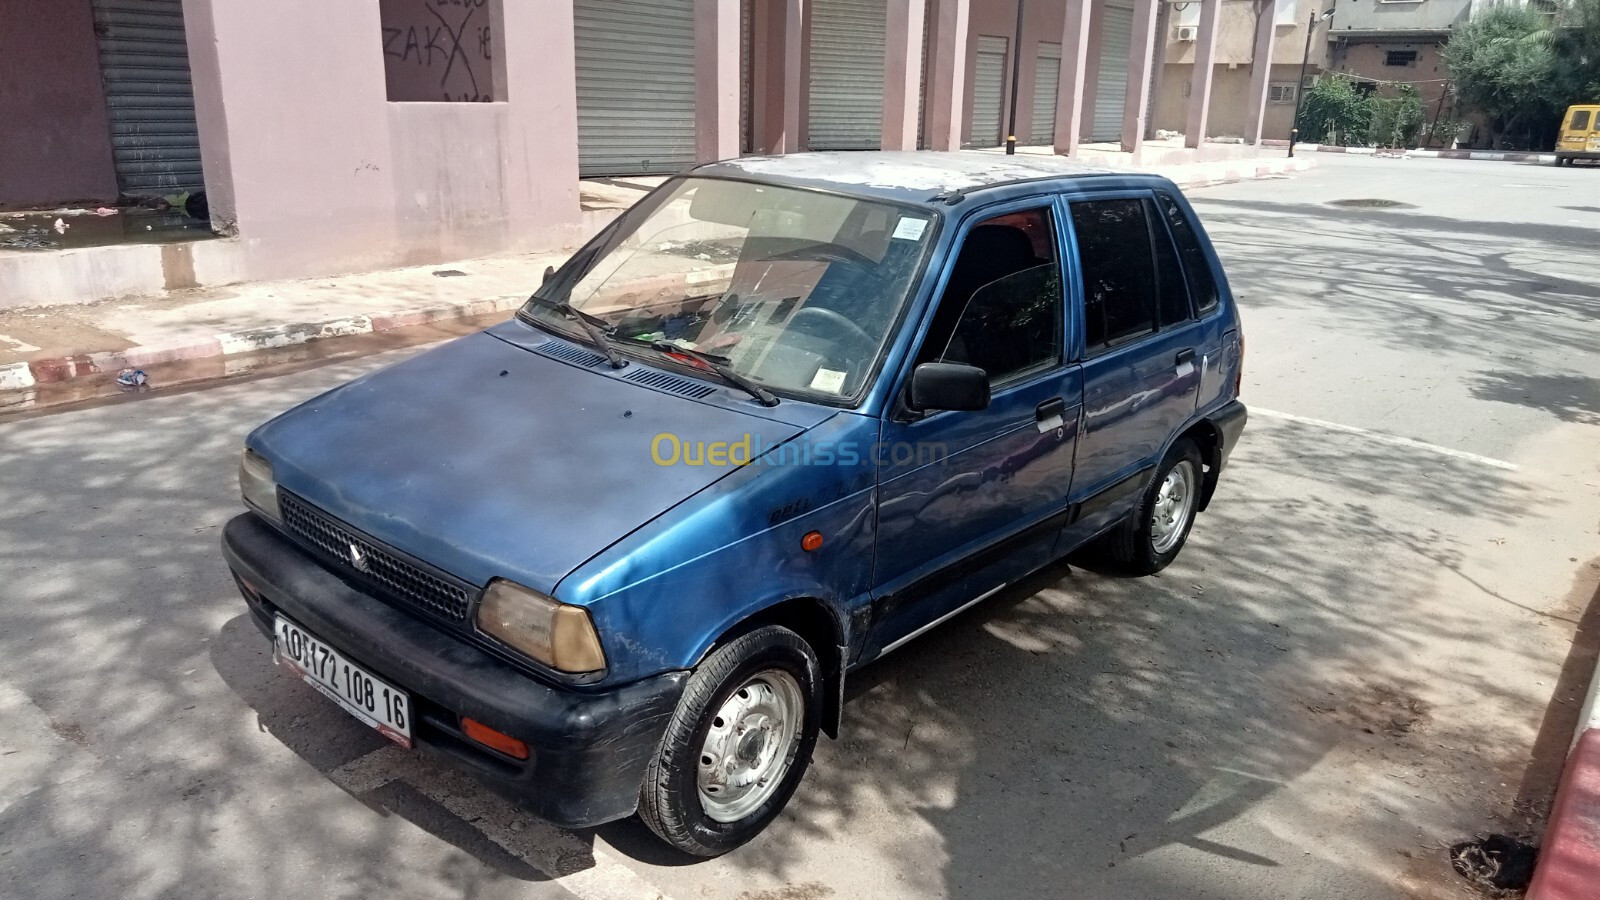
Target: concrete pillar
(1141, 63)
(1260, 70)
(716, 79)
(1205, 54)
(947, 76)
(902, 73)
(1069, 91)
(780, 78)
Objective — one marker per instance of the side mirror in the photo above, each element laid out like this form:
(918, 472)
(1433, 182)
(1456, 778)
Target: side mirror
(938, 385)
(549, 273)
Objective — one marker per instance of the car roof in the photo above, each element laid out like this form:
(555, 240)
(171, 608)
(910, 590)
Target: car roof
(905, 176)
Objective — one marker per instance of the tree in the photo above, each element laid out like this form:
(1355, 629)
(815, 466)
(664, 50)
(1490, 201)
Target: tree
(1578, 47)
(1396, 121)
(1504, 64)
(1334, 112)
(1523, 66)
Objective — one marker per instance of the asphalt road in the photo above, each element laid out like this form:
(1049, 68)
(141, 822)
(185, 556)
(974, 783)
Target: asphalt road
(1365, 653)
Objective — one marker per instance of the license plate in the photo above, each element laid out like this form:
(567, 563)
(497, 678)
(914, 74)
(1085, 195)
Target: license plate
(362, 694)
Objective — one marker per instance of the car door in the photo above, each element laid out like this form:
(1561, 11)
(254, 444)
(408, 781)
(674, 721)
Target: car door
(971, 500)
(1140, 351)
(1216, 340)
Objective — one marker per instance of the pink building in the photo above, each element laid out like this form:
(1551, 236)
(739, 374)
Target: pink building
(335, 137)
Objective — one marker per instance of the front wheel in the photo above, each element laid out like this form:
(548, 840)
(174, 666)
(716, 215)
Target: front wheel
(1150, 538)
(738, 744)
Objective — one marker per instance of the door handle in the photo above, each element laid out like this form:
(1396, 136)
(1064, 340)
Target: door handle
(1054, 408)
(1184, 356)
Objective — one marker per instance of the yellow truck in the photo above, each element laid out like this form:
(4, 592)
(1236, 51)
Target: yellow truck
(1580, 134)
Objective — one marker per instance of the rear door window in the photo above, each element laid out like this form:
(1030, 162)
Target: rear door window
(1580, 120)
(1119, 276)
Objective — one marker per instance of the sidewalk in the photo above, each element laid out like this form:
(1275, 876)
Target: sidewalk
(1569, 858)
(48, 344)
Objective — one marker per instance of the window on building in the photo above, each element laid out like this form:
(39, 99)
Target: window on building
(1402, 58)
(440, 50)
(1119, 275)
(1188, 89)
(1280, 92)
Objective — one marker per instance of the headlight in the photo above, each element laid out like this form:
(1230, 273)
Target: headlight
(556, 634)
(257, 486)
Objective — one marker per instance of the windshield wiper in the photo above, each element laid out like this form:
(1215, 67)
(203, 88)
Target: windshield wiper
(599, 329)
(719, 365)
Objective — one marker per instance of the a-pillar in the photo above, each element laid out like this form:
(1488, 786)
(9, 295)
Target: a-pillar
(716, 79)
(1069, 90)
(1141, 60)
(947, 75)
(902, 73)
(1205, 55)
(1260, 70)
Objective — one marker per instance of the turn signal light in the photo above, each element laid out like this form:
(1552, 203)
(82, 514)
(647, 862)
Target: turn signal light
(494, 740)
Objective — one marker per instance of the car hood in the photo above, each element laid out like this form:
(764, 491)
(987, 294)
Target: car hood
(487, 457)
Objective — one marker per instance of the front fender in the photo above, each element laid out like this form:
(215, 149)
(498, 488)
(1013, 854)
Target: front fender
(662, 597)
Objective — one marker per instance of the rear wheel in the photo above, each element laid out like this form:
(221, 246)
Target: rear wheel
(1150, 538)
(738, 744)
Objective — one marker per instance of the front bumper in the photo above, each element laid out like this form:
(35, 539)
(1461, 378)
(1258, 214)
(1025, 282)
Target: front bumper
(588, 749)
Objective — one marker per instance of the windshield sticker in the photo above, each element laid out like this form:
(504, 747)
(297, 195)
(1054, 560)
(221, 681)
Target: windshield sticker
(828, 380)
(910, 229)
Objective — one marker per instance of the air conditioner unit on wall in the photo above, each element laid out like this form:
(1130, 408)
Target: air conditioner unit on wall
(1187, 32)
(1310, 81)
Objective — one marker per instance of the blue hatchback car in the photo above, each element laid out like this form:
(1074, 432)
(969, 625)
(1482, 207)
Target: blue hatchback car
(620, 553)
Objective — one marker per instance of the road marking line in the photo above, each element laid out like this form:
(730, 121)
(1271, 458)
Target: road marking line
(1386, 438)
(546, 847)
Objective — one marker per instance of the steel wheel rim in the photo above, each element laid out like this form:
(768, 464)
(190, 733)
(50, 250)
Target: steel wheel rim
(750, 745)
(1173, 507)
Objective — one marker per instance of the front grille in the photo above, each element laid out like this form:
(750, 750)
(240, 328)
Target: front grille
(396, 577)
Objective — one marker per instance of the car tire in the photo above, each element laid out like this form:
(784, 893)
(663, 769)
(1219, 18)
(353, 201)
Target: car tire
(1151, 536)
(737, 745)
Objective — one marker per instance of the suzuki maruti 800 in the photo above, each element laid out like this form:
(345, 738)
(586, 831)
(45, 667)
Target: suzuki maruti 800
(620, 554)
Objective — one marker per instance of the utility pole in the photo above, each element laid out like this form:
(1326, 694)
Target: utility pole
(1300, 89)
(1016, 68)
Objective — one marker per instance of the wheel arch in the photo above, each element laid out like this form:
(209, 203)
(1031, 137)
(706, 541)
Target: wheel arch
(819, 625)
(1208, 437)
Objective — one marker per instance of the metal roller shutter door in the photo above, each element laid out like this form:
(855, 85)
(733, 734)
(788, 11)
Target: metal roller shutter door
(1046, 79)
(635, 86)
(144, 59)
(988, 92)
(847, 38)
(1111, 85)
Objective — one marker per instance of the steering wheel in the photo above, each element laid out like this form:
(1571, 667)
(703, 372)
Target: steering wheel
(834, 320)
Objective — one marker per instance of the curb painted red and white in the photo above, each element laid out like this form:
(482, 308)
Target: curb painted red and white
(22, 375)
(1569, 857)
(1483, 155)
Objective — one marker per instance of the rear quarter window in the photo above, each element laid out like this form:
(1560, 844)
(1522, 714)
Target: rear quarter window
(1196, 268)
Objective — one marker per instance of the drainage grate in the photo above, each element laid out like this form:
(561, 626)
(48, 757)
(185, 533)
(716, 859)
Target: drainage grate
(1372, 203)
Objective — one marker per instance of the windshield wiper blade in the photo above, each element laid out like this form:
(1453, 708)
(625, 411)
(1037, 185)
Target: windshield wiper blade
(598, 329)
(719, 365)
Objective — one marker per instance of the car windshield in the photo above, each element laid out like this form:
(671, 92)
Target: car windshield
(797, 289)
